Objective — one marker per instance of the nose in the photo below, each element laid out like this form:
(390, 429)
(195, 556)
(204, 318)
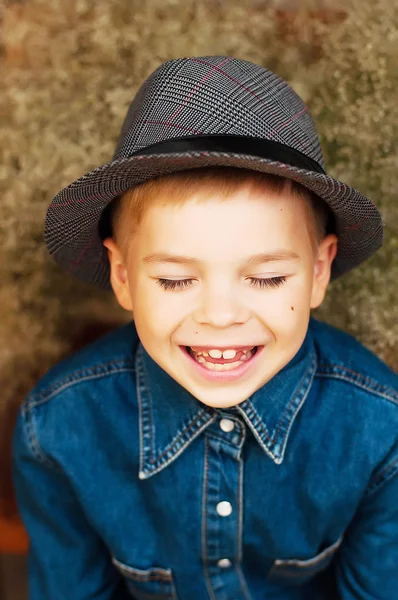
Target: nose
(220, 307)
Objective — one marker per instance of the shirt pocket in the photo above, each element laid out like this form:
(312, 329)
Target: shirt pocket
(154, 583)
(296, 571)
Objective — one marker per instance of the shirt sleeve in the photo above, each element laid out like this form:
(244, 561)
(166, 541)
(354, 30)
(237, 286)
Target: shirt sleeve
(367, 566)
(66, 557)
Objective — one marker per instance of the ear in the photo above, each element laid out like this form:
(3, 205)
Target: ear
(118, 277)
(322, 267)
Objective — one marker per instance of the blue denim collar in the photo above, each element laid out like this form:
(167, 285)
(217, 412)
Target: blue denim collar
(171, 418)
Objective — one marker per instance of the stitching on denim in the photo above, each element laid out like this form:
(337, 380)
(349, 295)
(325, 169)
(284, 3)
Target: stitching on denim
(204, 521)
(32, 439)
(240, 526)
(149, 407)
(359, 379)
(384, 475)
(240, 500)
(177, 453)
(144, 575)
(79, 381)
(311, 562)
(306, 389)
(256, 434)
(258, 423)
(303, 390)
(292, 401)
(140, 416)
(243, 583)
(176, 441)
(93, 372)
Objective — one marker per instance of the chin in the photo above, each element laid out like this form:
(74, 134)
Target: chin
(220, 403)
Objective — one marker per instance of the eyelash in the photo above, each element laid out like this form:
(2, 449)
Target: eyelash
(173, 284)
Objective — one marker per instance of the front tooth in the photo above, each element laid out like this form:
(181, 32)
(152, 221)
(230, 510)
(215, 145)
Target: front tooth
(215, 353)
(229, 354)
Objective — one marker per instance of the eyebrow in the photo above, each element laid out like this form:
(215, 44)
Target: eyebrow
(163, 257)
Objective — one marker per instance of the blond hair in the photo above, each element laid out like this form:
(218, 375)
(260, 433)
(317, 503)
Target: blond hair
(175, 189)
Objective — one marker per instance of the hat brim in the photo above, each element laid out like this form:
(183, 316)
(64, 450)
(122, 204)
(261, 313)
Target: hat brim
(72, 221)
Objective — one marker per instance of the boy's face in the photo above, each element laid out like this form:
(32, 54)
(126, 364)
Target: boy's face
(219, 307)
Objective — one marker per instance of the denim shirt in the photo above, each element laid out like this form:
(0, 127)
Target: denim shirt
(129, 487)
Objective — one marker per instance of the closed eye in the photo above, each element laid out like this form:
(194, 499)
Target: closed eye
(270, 282)
(267, 282)
(172, 284)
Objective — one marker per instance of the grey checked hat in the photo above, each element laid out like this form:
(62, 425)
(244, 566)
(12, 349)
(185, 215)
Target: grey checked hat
(203, 112)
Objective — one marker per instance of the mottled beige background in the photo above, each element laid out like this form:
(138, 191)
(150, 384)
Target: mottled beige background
(69, 70)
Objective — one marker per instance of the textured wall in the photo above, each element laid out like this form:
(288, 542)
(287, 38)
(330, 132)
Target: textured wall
(68, 72)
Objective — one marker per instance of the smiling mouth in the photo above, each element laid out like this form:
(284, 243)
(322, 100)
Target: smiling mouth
(241, 357)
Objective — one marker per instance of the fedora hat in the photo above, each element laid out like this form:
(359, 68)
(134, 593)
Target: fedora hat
(204, 112)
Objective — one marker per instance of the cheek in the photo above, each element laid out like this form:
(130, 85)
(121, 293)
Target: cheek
(287, 308)
(154, 307)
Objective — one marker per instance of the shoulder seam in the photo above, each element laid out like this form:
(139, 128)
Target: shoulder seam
(94, 372)
(336, 371)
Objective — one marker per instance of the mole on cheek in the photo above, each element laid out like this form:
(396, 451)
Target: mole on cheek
(292, 307)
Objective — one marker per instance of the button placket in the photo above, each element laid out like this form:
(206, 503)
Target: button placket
(222, 519)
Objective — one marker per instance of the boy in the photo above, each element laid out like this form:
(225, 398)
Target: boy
(224, 445)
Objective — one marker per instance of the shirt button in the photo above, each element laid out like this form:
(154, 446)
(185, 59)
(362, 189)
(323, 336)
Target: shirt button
(224, 509)
(227, 425)
(224, 563)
